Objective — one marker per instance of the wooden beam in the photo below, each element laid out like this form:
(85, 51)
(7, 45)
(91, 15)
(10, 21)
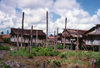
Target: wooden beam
(77, 42)
(55, 48)
(22, 29)
(36, 37)
(31, 35)
(47, 29)
(65, 23)
(18, 39)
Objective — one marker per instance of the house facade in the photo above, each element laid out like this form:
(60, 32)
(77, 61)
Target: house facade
(93, 37)
(38, 36)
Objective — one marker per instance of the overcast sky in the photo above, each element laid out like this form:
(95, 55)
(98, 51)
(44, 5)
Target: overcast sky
(81, 14)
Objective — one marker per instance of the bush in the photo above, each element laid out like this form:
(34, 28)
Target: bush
(6, 40)
(35, 52)
(30, 56)
(58, 63)
(48, 61)
(4, 48)
(59, 46)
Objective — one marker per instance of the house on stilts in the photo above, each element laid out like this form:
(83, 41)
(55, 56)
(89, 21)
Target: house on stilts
(38, 36)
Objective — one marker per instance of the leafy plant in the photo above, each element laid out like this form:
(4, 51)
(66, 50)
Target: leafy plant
(4, 48)
(58, 63)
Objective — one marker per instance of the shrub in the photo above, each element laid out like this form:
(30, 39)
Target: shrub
(4, 48)
(48, 61)
(59, 46)
(58, 63)
(30, 56)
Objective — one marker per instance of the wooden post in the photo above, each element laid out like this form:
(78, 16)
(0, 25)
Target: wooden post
(77, 44)
(30, 47)
(22, 29)
(36, 37)
(64, 42)
(64, 34)
(43, 65)
(54, 36)
(55, 48)
(18, 39)
(47, 29)
(65, 22)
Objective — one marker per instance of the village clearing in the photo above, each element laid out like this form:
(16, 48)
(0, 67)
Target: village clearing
(47, 58)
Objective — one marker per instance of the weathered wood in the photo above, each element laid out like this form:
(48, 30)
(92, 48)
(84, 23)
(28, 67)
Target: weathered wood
(17, 40)
(43, 64)
(30, 47)
(22, 29)
(47, 29)
(77, 42)
(65, 23)
(36, 38)
(64, 34)
(55, 48)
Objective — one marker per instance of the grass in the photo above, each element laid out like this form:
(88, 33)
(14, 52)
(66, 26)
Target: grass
(39, 51)
(78, 56)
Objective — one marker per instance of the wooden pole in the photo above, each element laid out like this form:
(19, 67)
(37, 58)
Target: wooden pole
(22, 29)
(77, 44)
(65, 22)
(55, 48)
(36, 37)
(18, 39)
(30, 47)
(64, 34)
(47, 29)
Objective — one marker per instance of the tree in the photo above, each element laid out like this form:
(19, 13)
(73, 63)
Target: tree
(2, 32)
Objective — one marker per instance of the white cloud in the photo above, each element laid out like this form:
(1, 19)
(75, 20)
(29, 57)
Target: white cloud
(35, 14)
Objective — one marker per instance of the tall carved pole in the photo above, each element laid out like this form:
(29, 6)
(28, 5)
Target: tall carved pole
(31, 34)
(22, 29)
(47, 29)
(64, 33)
(65, 22)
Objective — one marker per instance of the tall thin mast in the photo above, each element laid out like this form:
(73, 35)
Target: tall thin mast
(47, 29)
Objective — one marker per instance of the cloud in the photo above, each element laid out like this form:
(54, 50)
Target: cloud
(35, 14)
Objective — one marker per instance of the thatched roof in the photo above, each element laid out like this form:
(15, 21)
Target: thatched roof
(26, 32)
(73, 32)
(94, 31)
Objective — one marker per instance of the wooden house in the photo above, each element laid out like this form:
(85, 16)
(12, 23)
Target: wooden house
(4, 38)
(69, 37)
(70, 34)
(93, 36)
(52, 40)
(38, 36)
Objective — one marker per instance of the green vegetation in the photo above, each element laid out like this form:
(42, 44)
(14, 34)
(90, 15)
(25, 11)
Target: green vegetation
(39, 51)
(80, 57)
(4, 66)
(4, 48)
(6, 40)
(59, 46)
(57, 63)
